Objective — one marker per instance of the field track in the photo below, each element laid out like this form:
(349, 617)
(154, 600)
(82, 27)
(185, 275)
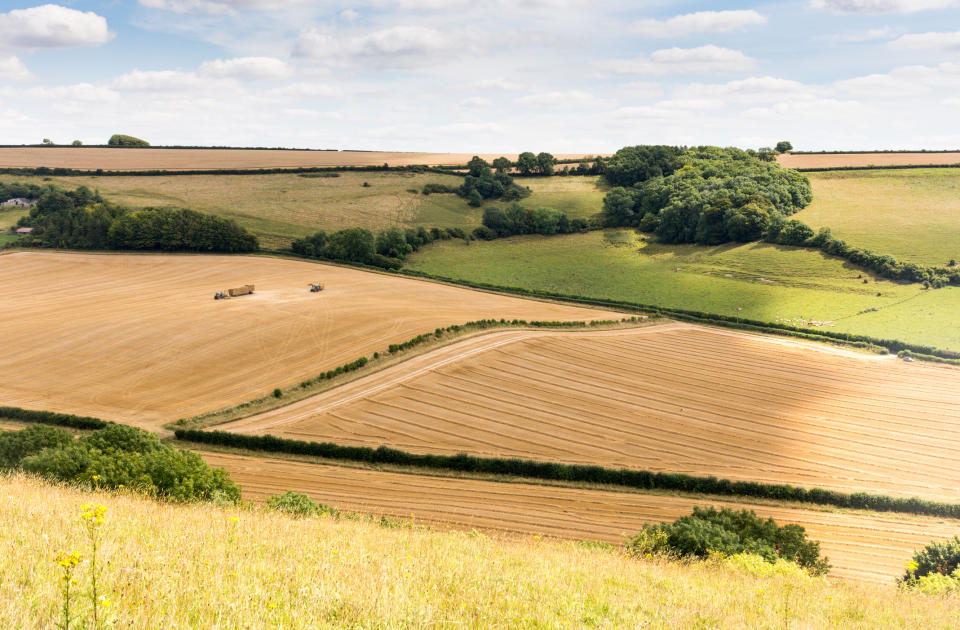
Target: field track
(671, 398)
(139, 338)
(869, 547)
(839, 160)
(108, 159)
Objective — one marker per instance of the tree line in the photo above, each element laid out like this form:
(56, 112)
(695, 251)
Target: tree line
(387, 249)
(82, 219)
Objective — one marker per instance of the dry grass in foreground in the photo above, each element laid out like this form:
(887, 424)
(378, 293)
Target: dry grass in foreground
(200, 566)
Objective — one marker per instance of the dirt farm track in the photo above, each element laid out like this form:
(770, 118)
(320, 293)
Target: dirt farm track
(864, 547)
(671, 398)
(109, 159)
(140, 339)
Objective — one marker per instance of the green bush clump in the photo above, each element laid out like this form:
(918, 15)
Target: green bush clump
(299, 504)
(730, 532)
(113, 457)
(940, 557)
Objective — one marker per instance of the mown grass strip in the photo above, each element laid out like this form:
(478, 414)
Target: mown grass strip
(641, 479)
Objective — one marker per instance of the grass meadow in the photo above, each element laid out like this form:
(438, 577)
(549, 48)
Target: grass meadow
(282, 207)
(767, 282)
(201, 566)
(912, 214)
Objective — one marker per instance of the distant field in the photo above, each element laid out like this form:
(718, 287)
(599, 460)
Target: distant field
(912, 214)
(186, 159)
(667, 398)
(139, 338)
(282, 207)
(839, 160)
(868, 547)
(767, 282)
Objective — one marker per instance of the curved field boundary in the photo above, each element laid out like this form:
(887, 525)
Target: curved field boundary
(671, 399)
(139, 338)
(860, 546)
(862, 160)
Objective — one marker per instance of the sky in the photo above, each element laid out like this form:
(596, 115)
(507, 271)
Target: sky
(484, 76)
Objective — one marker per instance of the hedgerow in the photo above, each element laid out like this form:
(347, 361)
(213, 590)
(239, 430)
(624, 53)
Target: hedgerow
(49, 417)
(553, 471)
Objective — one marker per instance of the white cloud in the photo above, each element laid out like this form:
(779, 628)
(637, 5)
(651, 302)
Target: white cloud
(475, 102)
(12, 69)
(881, 6)
(158, 81)
(52, 26)
(708, 59)
(213, 7)
(306, 90)
(905, 82)
(928, 41)
(349, 15)
(866, 36)
(700, 22)
(499, 84)
(78, 92)
(397, 46)
(246, 68)
(564, 99)
(749, 90)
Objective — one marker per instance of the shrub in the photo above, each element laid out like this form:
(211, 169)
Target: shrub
(121, 140)
(299, 504)
(729, 532)
(123, 456)
(16, 445)
(938, 557)
(277, 393)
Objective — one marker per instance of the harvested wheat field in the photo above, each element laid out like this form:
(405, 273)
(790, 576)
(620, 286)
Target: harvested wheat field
(840, 160)
(140, 339)
(672, 398)
(133, 159)
(863, 546)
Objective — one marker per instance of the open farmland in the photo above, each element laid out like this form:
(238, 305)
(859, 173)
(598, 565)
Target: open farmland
(156, 158)
(863, 546)
(767, 282)
(282, 206)
(670, 398)
(841, 160)
(911, 214)
(138, 338)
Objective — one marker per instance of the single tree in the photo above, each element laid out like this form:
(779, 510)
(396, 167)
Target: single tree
(783, 146)
(502, 164)
(526, 162)
(545, 162)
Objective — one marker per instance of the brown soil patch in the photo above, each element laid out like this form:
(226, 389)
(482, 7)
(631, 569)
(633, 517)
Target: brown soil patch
(671, 398)
(91, 158)
(140, 339)
(870, 547)
(865, 159)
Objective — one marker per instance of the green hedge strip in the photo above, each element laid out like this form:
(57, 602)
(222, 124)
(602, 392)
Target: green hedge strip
(49, 417)
(70, 172)
(864, 341)
(642, 479)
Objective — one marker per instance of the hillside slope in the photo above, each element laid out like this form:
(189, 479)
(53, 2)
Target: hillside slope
(202, 566)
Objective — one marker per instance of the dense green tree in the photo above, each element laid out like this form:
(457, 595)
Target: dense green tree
(478, 167)
(121, 140)
(749, 222)
(526, 163)
(474, 198)
(393, 243)
(354, 244)
(783, 146)
(545, 162)
(502, 165)
(633, 165)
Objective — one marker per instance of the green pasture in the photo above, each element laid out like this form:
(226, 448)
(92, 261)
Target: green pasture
(766, 282)
(911, 214)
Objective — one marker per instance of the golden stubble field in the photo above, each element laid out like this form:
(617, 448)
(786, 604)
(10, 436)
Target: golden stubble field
(668, 398)
(133, 159)
(140, 339)
(863, 546)
(840, 160)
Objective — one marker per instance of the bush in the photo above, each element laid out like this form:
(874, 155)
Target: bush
(121, 140)
(123, 456)
(17, 445)
(299, 504)
(729, 532)
(939, 557)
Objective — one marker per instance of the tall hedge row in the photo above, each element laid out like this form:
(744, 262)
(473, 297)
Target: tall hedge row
(642, 479)
(49, 417)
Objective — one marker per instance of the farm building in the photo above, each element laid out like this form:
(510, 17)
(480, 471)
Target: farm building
(24, 230)
(18, 202)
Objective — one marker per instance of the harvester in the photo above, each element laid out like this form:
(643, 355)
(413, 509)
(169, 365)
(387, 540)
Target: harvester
(316, 287)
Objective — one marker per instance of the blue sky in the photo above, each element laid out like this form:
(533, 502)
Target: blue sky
(483, 75)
